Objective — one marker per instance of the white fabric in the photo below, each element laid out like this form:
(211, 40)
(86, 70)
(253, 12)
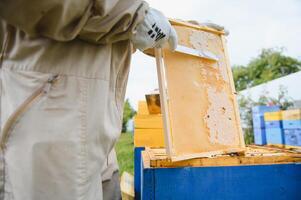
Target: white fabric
(56, 150)
(154, 31)
(110, 166)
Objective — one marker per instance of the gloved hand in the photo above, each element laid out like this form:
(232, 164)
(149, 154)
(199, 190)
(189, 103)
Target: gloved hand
(154, 31)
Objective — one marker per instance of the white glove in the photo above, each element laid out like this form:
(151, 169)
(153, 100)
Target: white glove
(154, 31)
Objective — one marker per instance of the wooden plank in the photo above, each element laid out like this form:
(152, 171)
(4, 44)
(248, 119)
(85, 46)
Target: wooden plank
(149, 138)
(229, 161)
(201, 107)
(294, 148)
(254, 156)
(175, 22)
(197, 27)
(163, 99)
(148, 121)
(234, 93)
(207, 154)
(145, 159)
(142, 108)
(282, 148)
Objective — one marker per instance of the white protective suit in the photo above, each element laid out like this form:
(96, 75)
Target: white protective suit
(64, 68)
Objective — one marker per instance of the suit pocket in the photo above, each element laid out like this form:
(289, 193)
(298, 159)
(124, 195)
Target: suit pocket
(21, 110)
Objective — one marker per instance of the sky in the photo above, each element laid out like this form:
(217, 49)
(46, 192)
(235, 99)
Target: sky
(253, 25)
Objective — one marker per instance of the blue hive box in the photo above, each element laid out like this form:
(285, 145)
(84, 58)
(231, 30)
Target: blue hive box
(273, 124)
(291, 124)
(292, 137)
(274, 136)
(263, 109)
(258, 114)
(258, 121)
(259, 136)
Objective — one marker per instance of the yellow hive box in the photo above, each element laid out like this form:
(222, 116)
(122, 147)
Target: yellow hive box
(273, 116)
(142, 108)
(291, 114)
(148, 121)
(153, 138)
(148, 128)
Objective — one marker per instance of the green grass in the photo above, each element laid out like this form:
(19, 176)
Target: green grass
(125, 153)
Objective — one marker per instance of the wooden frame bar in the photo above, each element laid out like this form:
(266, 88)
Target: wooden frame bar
(163, 99)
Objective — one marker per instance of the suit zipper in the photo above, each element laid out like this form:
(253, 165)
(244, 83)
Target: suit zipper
(26, 105)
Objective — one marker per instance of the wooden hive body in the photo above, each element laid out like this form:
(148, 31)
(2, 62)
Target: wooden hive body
(148, 128)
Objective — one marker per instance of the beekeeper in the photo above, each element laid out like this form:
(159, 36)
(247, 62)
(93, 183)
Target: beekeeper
(64, 69)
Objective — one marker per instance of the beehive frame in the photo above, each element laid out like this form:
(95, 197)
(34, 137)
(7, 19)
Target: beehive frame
(169, 65)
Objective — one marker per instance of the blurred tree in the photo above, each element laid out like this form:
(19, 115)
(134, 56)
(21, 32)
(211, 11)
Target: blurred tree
(283, 100)
(241, 77)
(245, 105)
(128, 113)
(269, 65)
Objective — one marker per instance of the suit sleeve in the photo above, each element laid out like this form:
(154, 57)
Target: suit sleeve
(97, 21)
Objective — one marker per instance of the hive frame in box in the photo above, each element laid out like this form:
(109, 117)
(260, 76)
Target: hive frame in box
(166, 111)
(255, 155)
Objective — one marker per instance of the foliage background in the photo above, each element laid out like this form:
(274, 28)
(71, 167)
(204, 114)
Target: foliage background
(125, 153)
(128, 114)
(269, 65)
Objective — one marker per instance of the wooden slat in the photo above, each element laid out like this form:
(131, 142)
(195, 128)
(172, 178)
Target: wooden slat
(234, 93)
(148, 121)
(163, 100)
(255, 155)
(208, 154)
(228, 161)
(280, 147)
(196, 27)
(142, 108)
(145, 158)
(149, 138)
